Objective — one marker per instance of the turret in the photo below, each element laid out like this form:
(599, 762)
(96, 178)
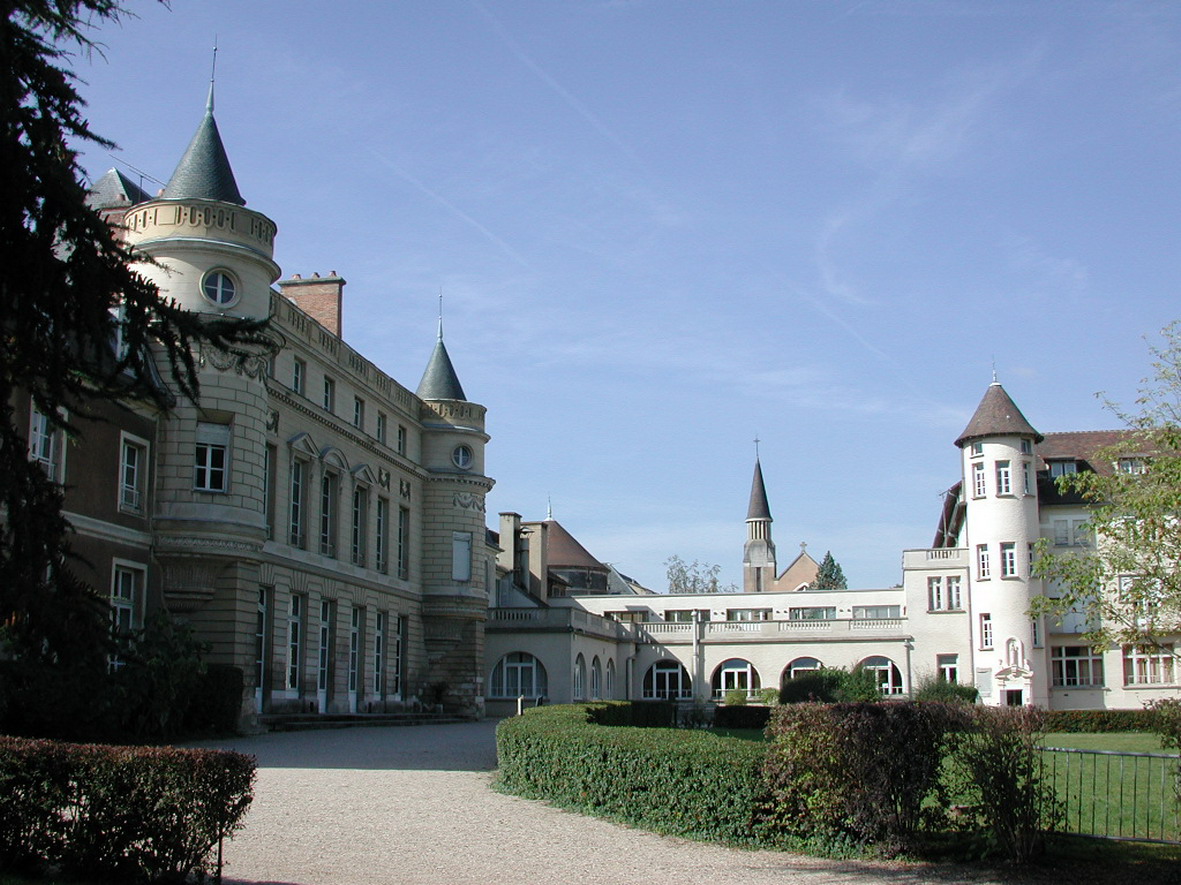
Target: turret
(457, 573)
(1001, 529)
(211, 253)
(758, 554)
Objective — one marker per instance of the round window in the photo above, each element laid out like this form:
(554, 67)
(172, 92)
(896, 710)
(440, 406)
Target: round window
(463, 457)
(219, 287)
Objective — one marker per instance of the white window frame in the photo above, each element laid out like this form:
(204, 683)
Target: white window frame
(1004, 478)
(979, 483)
(935, 599)
(128, 588)
(133, 477)
(1076, 666)
(518, 674)
(954, 593)
(949, 668)
(211, 446)
(1008, 559)
(1150, 665)
(986, 634)
(46, 444)
(983, 564)
(888, 675)
(461, 556)
(299, 376)
(667, 680)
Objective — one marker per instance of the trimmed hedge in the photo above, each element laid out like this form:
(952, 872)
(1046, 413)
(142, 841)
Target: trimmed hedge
(675, 781)
(1100, 721)
(638, 714)
(121, 813)
(742, 717)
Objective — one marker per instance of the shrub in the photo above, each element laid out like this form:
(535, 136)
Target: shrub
(831, 685)
(735, 697)
(742, 717)
(118, 812)
(1098, 721)
(999, 760)
(857, 772)
(637, 714)
(939, 689)
(676, 781)
(159, 670)
(216, 702)
(769, 696)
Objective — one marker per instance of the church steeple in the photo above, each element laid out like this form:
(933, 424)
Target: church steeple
(758, 554)
(204, 172)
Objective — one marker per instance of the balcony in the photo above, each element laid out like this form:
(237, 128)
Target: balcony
(561, 620)
(661, 633)
(936, 557)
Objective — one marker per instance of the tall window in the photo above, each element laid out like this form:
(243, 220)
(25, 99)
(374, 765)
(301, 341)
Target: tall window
(299, 492)
(1027, 475)
(299, 376)
(324, 662)
(329, 399)
(1004, 478)
(127, 591)
(518, 674)
(1008, 559)
(133, 469)
(609, 686)
(401, 440)
(360, 524)
(358, 413)
(381, 535)
(45, 444)
(294, 641)
(978, 487)
(886, 672)
(355, 648)
(211, 462)
(596, 675)
(461, 556)
(1150, 665)
(983, 567)
(986, 630)
(260, 646)
(935, 598)
(379, 655)
(1075, 665)
(953, 592)
(580, 678)
(329, 484)
(396, 654)
(735, 675)
(270, 466)
(667, 680)
(382, 421)
(949, 667)
(403, 542)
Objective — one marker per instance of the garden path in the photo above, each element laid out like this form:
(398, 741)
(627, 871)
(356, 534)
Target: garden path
(414, 805)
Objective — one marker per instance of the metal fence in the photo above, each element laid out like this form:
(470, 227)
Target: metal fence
(1116, 795)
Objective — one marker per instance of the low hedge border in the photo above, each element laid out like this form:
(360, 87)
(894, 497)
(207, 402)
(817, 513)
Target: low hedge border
(1100, 721)
(677, 782)
(128, 814)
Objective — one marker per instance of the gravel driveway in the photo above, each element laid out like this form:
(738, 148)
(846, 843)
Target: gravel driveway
(414, 805)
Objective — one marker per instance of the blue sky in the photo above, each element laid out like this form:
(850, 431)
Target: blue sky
(665, 228)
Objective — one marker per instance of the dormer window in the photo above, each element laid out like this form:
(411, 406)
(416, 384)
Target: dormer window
(1132, 465)
(977, 449)
(1063, 468)
(1026, 447)
(219, 288)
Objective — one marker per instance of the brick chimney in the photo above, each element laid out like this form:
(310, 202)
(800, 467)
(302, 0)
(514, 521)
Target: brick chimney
(319, 297)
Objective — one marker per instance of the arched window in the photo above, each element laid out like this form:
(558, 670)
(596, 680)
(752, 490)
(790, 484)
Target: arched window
(580, 678)
(609, 689)
(735, 674)
(518, 674)
(667, 680)
(800, 666)
(889, 677)
(596, 679)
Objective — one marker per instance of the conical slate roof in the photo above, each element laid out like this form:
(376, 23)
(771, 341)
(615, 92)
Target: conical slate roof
(439, 381)
(114, 190)
(997, 415)
(759, 508)
(204, 172)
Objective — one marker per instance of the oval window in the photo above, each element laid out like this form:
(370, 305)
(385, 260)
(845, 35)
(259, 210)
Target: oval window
(219, 287)
(462, 457)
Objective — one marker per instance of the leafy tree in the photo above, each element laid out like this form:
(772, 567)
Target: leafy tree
(68, 289)
(829, 576)
(1128, 583)
(694, 577)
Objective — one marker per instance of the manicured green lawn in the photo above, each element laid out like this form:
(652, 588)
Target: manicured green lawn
(1123, 741)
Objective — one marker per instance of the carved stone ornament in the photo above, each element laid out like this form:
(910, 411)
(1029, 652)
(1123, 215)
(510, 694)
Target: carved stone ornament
(404, 488)
(469, 501)
(273, 421)
(383, 477)
(189, 581)
(253, 366)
